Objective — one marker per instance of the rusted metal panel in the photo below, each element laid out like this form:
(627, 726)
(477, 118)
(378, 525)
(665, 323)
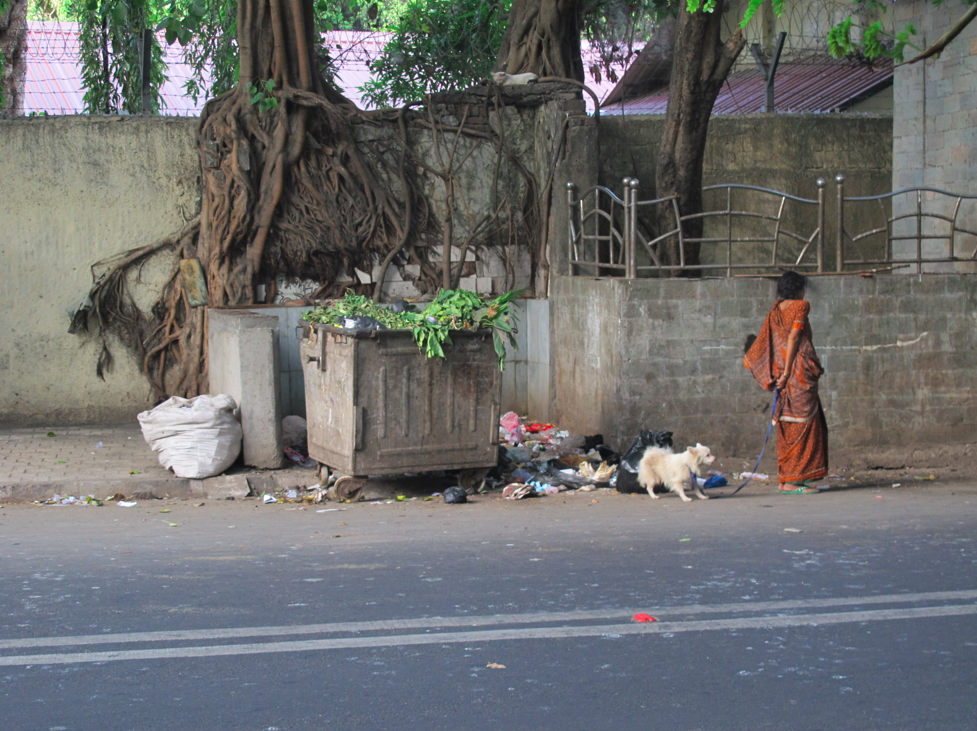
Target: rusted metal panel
(329, 366)
(377, 406)
(799, 87)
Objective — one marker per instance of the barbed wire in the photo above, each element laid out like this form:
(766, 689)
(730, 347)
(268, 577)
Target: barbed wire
(807, 26)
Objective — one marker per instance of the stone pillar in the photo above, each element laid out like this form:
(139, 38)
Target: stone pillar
(244, 361)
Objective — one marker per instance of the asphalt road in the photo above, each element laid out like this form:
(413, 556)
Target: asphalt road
(495, 614)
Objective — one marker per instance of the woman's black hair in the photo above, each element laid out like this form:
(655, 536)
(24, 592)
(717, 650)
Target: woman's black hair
(791, 285)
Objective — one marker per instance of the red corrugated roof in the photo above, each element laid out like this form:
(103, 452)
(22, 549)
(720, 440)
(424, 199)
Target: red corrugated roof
(53, 78)
(798, 87)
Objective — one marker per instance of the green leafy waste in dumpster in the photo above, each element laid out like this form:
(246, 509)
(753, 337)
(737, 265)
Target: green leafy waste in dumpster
(452, 309)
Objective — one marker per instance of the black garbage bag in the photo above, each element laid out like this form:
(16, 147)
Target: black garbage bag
(592, 442)
(550, 473)
(455, 494)
(627, 471)
(503, 465)
(608, 455)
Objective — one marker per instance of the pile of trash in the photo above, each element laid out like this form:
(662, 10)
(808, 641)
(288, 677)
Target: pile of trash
(87, 501)
(541, 459)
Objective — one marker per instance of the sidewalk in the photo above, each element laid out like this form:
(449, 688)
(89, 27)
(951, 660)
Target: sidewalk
(35, 466)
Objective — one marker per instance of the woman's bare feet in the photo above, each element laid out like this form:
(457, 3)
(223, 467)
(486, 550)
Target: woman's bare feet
(792, 488)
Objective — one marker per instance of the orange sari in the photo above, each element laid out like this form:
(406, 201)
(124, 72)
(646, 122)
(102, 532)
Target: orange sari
(802, 430)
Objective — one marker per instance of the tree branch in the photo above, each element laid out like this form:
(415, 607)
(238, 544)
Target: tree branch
(945, 40)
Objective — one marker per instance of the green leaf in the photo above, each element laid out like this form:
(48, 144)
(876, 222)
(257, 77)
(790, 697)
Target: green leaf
(119, 12)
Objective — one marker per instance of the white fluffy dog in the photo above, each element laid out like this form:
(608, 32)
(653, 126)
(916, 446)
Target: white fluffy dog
(663, 467)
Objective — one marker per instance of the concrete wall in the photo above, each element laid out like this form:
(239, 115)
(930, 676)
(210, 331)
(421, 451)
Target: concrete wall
(899, 387)
(75, 190)
(786, 152)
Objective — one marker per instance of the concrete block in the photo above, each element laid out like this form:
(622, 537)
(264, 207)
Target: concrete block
(398, 290)
(245, 362)
(291, 478)
(222, 486)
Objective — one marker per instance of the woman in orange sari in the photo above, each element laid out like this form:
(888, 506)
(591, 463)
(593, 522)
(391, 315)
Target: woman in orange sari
(783, 358)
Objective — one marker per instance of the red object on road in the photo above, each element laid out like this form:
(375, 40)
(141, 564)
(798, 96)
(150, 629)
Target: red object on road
(644, 618)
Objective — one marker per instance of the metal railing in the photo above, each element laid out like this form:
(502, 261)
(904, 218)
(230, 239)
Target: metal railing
(610, 236)
(930, 245)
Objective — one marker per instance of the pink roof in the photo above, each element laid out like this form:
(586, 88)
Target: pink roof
(798, 87)
(53, 82)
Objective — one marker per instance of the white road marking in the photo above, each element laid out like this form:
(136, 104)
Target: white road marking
(529, 633)
(480, 621)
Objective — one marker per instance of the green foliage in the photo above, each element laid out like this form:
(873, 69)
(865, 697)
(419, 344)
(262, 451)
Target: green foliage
(437, 45)
(110, 42)
(262, 96)
(48, 10)
(874, 43)
(754, 6)
(207, 31)
(451, 310)
(706, 6)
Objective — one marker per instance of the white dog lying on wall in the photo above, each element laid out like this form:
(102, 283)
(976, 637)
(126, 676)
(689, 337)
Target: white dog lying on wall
(663, 467)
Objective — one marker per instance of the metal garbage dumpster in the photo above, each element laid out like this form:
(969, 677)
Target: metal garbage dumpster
(375, 405)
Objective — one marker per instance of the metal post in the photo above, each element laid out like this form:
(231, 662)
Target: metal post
(633, 230)
(146, 53)
(729, 234)
(840, 182)
(570, 188)
(769, 70)
(626, 236)
(919, 232)
(821, 185)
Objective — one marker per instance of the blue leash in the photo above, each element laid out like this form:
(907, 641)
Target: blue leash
(773, 410)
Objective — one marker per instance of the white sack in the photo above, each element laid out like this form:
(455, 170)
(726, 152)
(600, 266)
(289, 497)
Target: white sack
(196, 438)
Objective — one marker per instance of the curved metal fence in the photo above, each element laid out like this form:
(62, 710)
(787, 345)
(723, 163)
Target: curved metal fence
(750, 230)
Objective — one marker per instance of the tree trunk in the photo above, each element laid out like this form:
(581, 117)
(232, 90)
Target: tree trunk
(13, 42)
(542, 37)
(284, 189)
(700, 66)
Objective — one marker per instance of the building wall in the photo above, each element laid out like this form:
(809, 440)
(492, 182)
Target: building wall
(899, 387)
(934, 124)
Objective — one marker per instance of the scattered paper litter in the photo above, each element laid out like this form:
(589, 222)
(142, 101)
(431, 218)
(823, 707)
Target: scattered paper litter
(126, 503)
(495, 666)
(793, 530)
(328, 510)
